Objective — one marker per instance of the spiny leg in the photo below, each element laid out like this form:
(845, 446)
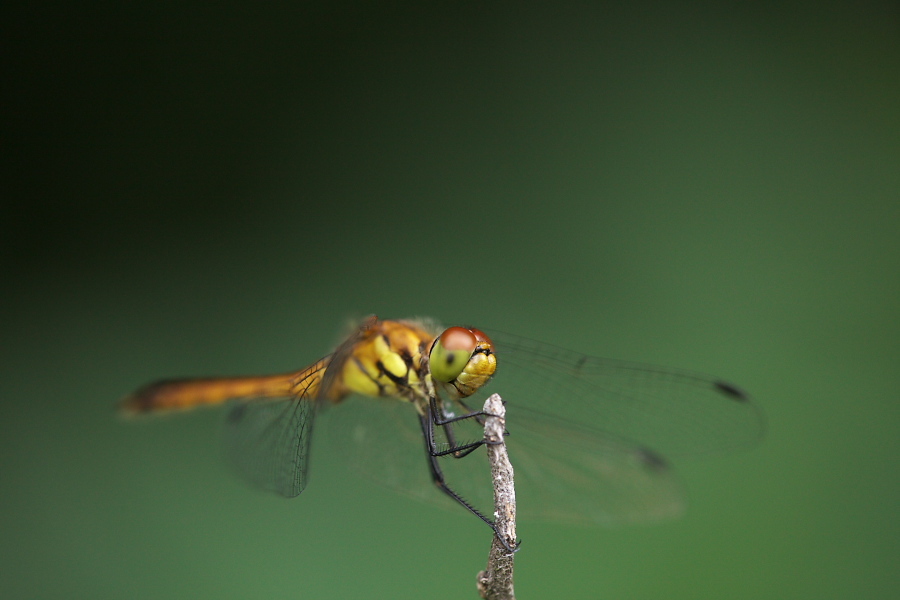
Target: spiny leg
(437, 475)
(437, 414)
(455, 449)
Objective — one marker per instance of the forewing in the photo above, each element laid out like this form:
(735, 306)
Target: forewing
(670, 411)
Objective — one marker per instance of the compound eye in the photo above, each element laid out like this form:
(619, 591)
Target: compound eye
(450, 353)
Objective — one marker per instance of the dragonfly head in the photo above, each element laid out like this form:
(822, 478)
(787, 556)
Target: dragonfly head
(464, 358)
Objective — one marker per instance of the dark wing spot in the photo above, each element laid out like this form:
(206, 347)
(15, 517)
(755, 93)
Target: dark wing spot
(732, 391)
(652, 460)
(580, 363)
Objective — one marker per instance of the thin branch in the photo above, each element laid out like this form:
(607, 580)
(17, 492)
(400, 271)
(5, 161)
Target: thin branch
(496, 582)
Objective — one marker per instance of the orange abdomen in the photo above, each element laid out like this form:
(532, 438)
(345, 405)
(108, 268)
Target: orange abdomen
(175, 394)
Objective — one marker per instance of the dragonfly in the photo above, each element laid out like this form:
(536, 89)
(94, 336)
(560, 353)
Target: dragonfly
(590, 437)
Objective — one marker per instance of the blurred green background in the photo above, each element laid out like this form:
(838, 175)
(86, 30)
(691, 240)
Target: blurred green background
(215, 190)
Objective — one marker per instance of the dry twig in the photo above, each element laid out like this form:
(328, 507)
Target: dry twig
(496, 582)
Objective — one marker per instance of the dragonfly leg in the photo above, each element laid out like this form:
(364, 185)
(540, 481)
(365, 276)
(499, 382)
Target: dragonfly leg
(437, 414)
(455, 449)
(459, 451)
(437, 476)
(479, 417)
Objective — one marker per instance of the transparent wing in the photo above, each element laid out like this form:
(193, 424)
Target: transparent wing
(380, 438)
(671, 411)
(578, 477)
(562, 473)
(267, 442)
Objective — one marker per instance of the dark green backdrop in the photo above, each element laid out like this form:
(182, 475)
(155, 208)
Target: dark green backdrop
(199, 190)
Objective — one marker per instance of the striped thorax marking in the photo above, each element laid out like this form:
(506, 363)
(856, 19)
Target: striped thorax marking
(388, 361)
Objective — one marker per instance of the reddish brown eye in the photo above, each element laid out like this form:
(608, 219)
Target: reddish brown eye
(450, 353)
(482, 337)
(458, 338)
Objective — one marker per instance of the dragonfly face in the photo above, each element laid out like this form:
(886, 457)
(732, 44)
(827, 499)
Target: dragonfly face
(588, 435)
(463, 358)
